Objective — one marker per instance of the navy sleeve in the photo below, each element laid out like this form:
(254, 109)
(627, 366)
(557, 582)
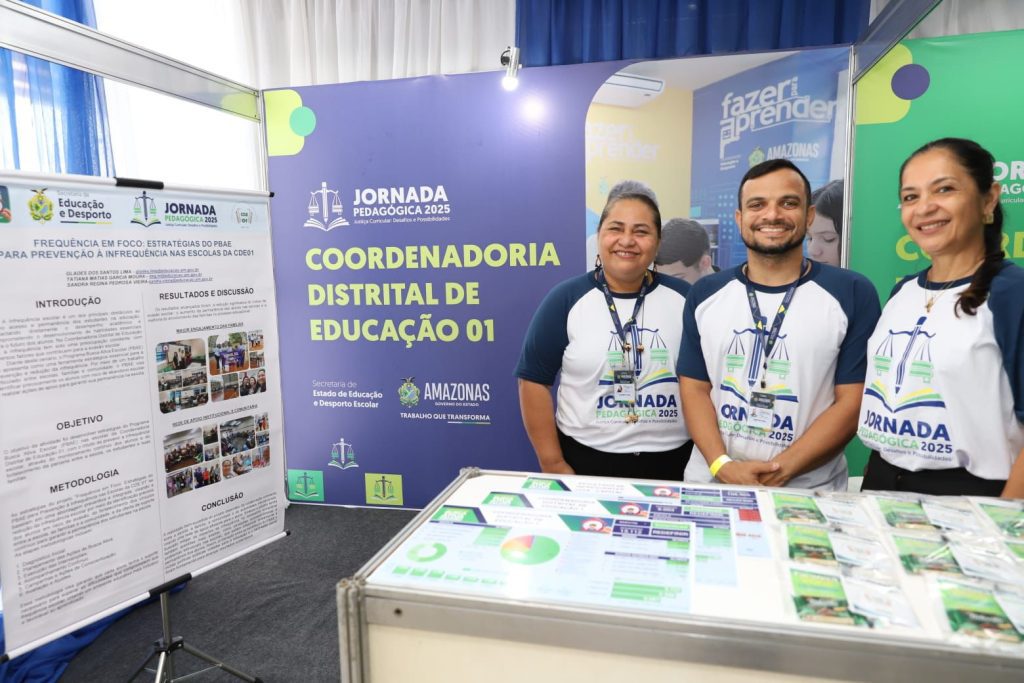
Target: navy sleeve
(862, 313)
(690, 361)
(1007, 306)
(547, 336)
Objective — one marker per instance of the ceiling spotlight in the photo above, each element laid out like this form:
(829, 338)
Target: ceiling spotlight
(510, 60)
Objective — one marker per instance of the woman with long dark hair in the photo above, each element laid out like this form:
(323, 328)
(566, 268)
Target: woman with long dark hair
(944, 396)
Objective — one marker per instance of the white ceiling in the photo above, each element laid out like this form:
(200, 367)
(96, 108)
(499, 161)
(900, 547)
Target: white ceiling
(690, 73)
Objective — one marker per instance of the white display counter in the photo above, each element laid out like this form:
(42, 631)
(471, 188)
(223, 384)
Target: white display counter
(516, 576)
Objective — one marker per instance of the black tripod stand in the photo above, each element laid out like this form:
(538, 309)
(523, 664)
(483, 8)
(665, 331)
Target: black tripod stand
(164, 649)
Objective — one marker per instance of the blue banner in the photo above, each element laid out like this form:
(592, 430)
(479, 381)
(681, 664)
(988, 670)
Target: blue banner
(792, 108)
(417, 225)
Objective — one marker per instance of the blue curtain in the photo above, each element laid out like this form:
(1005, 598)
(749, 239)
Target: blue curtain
(573, 31)
(59, 112)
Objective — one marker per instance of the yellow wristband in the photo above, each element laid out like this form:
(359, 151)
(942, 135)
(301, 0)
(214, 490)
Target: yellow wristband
(719, 462)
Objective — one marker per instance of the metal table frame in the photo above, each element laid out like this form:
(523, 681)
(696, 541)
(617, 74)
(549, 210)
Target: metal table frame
(746, 645)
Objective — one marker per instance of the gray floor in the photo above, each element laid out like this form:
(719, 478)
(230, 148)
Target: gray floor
(270, 613)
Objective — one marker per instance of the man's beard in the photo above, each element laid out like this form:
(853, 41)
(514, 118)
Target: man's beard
(796, 242)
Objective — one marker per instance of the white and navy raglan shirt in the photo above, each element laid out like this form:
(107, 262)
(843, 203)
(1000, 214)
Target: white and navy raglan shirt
(945, 390)
(570, 338)
(821, 344)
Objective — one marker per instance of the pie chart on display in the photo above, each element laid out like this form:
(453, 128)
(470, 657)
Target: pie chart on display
(529, 549)
(426, 552)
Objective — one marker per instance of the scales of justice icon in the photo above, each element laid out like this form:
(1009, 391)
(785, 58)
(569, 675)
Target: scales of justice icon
(144, 211)
(343, 456)
(323, 204)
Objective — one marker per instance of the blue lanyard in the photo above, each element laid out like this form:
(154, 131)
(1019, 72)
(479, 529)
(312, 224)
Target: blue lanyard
(621, 329)
(780, 315)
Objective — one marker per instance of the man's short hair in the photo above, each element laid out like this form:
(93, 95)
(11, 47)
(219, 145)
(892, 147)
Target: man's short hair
(770, 166)
(683, 240)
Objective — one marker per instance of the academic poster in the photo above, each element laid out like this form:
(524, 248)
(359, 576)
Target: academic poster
(140, 412)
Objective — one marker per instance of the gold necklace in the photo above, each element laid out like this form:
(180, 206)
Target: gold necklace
(929, 301)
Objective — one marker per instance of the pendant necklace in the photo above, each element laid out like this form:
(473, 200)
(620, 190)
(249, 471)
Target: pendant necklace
(929, 301)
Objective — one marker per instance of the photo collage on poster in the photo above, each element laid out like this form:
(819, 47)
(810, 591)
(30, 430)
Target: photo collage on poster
(193, 372)
(236, 365)
(181, 374)
(196, 458)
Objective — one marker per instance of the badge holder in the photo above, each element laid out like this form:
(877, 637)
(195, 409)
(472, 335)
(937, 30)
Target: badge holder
(762, 410)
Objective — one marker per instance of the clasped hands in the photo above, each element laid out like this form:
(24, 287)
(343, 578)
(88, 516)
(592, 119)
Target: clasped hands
(754, 473)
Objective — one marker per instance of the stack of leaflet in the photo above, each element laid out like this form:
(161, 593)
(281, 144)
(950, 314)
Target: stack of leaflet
(880, 561)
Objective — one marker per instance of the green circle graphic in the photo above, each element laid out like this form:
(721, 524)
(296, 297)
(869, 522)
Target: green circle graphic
(302, 121)
(426, 552)
(529, 549)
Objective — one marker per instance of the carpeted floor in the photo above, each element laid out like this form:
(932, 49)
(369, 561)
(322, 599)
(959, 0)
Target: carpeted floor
(270, 613)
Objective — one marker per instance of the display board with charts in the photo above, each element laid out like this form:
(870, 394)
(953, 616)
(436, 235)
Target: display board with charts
(944, 573)
(140, 403)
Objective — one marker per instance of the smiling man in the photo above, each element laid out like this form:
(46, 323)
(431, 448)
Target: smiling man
(772, 361)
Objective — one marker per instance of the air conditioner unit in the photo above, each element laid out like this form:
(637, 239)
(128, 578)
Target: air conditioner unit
(626, 90)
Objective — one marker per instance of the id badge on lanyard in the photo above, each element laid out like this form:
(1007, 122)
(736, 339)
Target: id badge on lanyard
(762, 403)
(762, 410)
(625, 387)
(620, 359)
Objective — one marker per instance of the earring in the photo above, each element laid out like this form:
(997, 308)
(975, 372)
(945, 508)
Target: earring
(597, 262)
(990, 218)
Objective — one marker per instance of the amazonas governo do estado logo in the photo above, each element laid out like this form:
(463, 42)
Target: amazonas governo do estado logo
(377, 205)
